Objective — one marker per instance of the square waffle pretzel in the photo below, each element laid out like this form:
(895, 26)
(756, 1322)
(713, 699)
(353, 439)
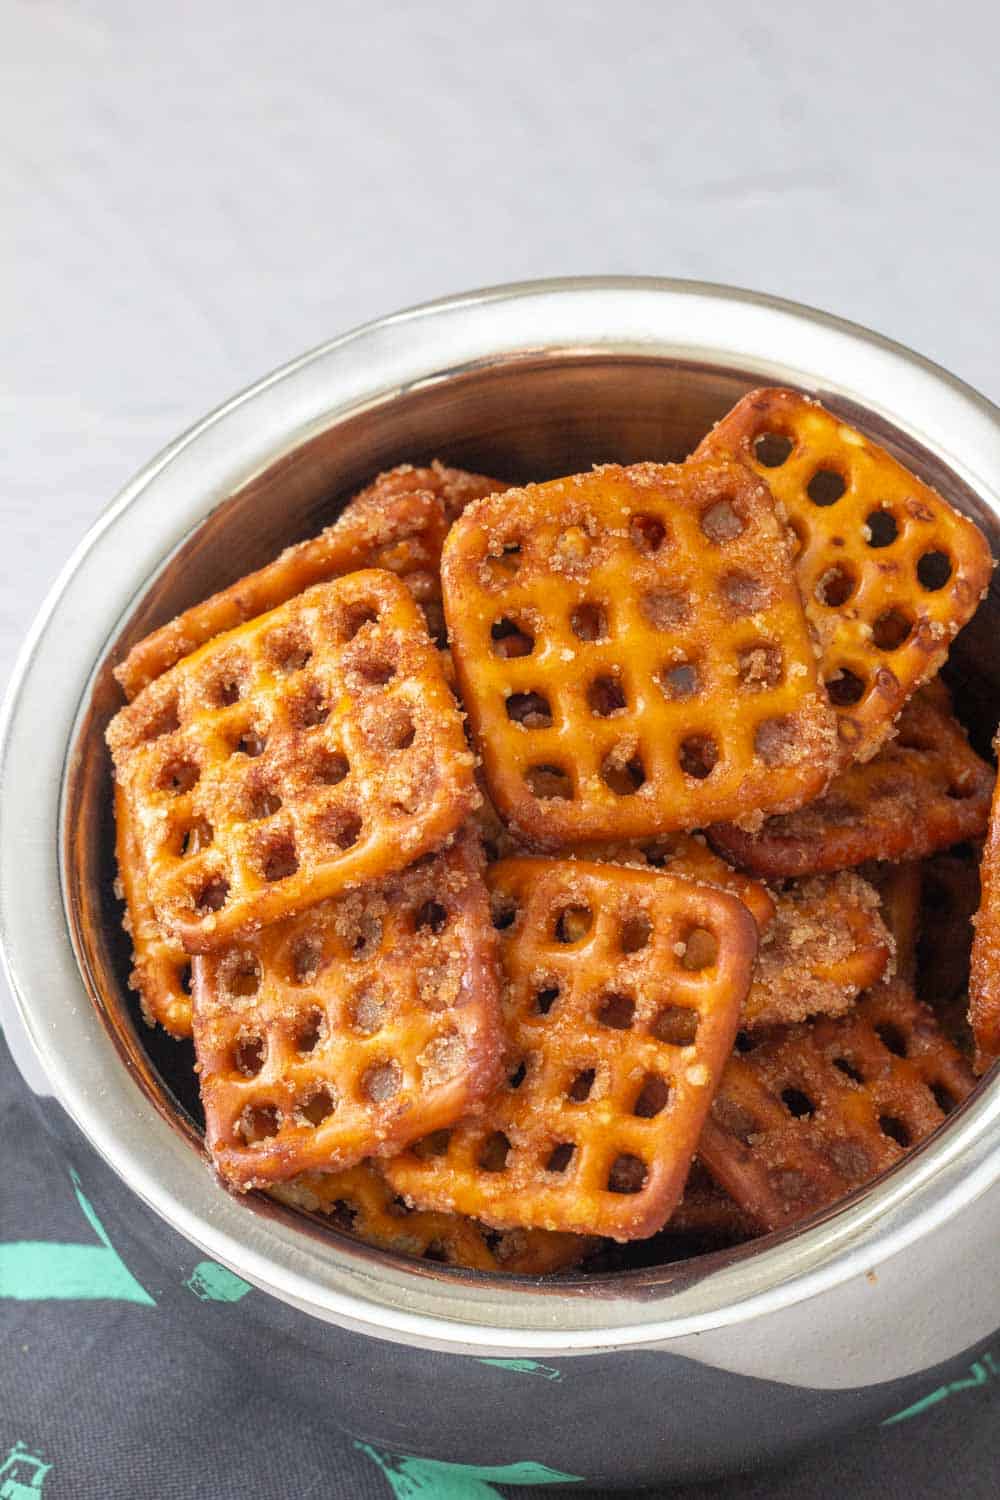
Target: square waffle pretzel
(818, 1110)
(398, 522)
(632, 653)
(623, 990)
(310, 750)
(360, 1202)
(826, 944)
(889, 572)
(984, 976)
(353, 1029)
(161, 970)
(923, 791)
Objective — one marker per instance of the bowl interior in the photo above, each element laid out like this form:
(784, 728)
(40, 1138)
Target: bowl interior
(519, 418)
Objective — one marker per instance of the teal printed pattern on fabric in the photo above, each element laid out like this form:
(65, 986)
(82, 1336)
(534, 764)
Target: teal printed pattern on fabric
(211, 1282)
(44, 1270)
(525, 1367)
(981, 1371)
(22, 1474)
(427, 1479)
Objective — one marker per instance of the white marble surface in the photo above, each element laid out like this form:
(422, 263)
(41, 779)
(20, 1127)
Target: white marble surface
(194, 192)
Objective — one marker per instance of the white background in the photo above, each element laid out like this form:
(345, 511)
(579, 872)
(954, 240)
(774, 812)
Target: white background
(192, 193)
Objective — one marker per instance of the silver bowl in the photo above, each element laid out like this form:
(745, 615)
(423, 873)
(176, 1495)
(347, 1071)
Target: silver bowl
(706, 1362)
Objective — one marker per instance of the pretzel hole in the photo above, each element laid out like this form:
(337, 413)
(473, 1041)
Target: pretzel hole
(745, 594)
(430, 1146)
(652, 1098)
(701, 950)
(933, 571)
(184, 978)
(262, 802)
(647, 534)
(368, 1012)
(942, 1098)
(798, 1104)
(545, 999)
(356, 617)
(636, 931)
(677, 1025)
(573, 545)
(329, 767)
(196, 837)
(502, 567)
(242, 976)
(307, 956)
(836, 585)
(891, 1038)
(699, 755)
(343, 828)
(573, 923)
(605, 696)
(883, 528)
(826, 487)
(665, 609)
(581, 1086)
(530, 710)
(560, 1157)
(627, 1175)
(845, 1066)
(891, 629)
(518, 1076)
(895, 1129)
(616, 1012)
(165, 721)
(511, 640)
(433, 613)
(311, 708)
(317, 1106)
(279, 859)
(680, 681)
(212, 896)
(248, 1055)
(549, 783)
(760, 666)
(401, 730)
(504, 911)
(289, 652)
(250, 743)
(624, 778)
(721, 522)
(309, 1029)
(845, 687)
(178, 775)
(776, 740)
(258, 1122)
(376, 670)
(494, 1152)
(343, 1215)
(772, 449)
(382, 1081)
(589, 622)
(431, 916)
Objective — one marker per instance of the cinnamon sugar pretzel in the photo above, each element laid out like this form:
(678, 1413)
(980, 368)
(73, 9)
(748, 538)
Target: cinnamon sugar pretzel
(312, 749)
(889, 572)
(623, 990)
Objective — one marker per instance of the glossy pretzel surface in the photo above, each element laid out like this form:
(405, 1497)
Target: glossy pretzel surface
(632, 653)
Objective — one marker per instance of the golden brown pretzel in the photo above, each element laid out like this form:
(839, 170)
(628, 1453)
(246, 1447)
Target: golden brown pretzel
(984, 976)
(826, 944)
(899, 890)
(623, 990)
(632, 653)
(889, 572)
(360, 1202)
(312, 749)
(353, 1029)
(817, 1110)
(397, 522)
(161, 970)
(924, 790)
